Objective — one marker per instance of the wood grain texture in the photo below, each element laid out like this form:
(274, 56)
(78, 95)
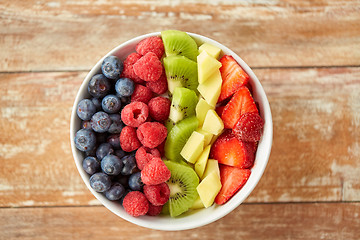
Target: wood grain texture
(73, 35)
(316, 147)
(331, 221)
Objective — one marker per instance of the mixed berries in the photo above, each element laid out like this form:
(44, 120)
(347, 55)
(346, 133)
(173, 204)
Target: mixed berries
(123, 132)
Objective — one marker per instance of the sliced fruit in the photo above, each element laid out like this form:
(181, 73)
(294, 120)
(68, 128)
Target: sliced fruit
(207, 65)
(242, 102)
(180, 72)
(228, 150)
(249, 127)
(193, 147)
(210, 49)
(183, 104)
(169, 124)
(212, 165)
(207, 136)
(219, 110)
(198, 204)
(201, 109)
(233, 77)
(210, 90)
(208, 188)
(232, 180)
(179, 43)
(200, 164)
(213, 123)
(178, 136)
(182, 183)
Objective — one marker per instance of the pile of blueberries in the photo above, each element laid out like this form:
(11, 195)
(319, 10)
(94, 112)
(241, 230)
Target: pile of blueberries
(113, 171)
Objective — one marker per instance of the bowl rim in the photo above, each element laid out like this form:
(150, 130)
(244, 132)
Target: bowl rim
(185, 223)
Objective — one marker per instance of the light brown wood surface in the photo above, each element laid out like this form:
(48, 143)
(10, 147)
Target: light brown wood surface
(305, 53)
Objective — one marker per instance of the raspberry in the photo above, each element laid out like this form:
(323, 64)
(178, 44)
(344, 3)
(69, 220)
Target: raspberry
(154, 210)
(128, 139)
(134, 114)
(144, 155)
(151, 134)
(249, 127)
(159, 108)
(141, 94)
(161, 148)
(148, 67)
(155, 172)
(157, 194)
(128, 71)
(136, 204)
(151, 44)
(160, 86)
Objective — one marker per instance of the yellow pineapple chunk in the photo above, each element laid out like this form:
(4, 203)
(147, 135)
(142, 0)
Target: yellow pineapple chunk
(213, 123)
(210, 49)
(210, 90)
(207, 136)
(212, 165)
(193, 147)
(207, 65)
(201, 109)
(208, 188)
(202, 160)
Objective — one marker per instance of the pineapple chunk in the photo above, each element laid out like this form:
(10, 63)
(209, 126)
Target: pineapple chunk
(201, 109)
(207, 136)
(208, 188)
(210, 49)
(207, 65)
(201, 161)
(197, 204)
(193, 147)
(213, 123)
(211, 166)
(210, 90)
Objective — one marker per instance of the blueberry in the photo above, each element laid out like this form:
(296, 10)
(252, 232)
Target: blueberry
(129, 165)
(122, 198)
(135, 182)
(98, 86)
(112, 67)
(97, 103)
(120, 153)
(111, 104)
(101, 137)
(86, 125)
(115, 192)
(100, 122)
(125, 100)
(91, 153)
(85, 109)
(115, 117)
(103, 150)
(114, 141)
(124, 180)
(111, 165)
(116, 124)
(91, 165)
(124, 87)
(100, 182)
(85, 140)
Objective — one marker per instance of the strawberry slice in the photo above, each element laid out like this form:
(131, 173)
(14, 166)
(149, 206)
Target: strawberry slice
(242, 102)
(232, 180)
(233, 77)
(249, 127)
(219, 110)
(228, 150)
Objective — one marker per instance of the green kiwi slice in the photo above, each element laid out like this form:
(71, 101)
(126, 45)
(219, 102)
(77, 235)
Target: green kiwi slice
(182, 184)
(183, 104)
(181, 72)
(179, 43)
(178, 136)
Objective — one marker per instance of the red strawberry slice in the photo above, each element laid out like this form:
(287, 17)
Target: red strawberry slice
(232, 180)
(228, 150)
(249, 127)
(233, 77)
(242, 102)
(219, 110)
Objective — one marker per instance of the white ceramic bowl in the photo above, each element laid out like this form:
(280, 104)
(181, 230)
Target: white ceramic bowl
(200, 217)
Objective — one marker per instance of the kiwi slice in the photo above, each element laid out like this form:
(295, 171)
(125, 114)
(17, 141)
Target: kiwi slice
(181, 72)
(182, 184)
(183, 104)
(179, 43)
(178, 136)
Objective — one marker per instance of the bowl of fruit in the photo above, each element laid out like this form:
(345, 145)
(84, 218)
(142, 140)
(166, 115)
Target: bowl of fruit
(171, 130)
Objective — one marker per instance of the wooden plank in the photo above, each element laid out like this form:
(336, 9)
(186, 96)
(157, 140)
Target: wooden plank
(73, 35)
(316, 147)
(329, 221)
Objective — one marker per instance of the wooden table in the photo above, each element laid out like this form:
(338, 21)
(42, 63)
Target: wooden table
(305, 53)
